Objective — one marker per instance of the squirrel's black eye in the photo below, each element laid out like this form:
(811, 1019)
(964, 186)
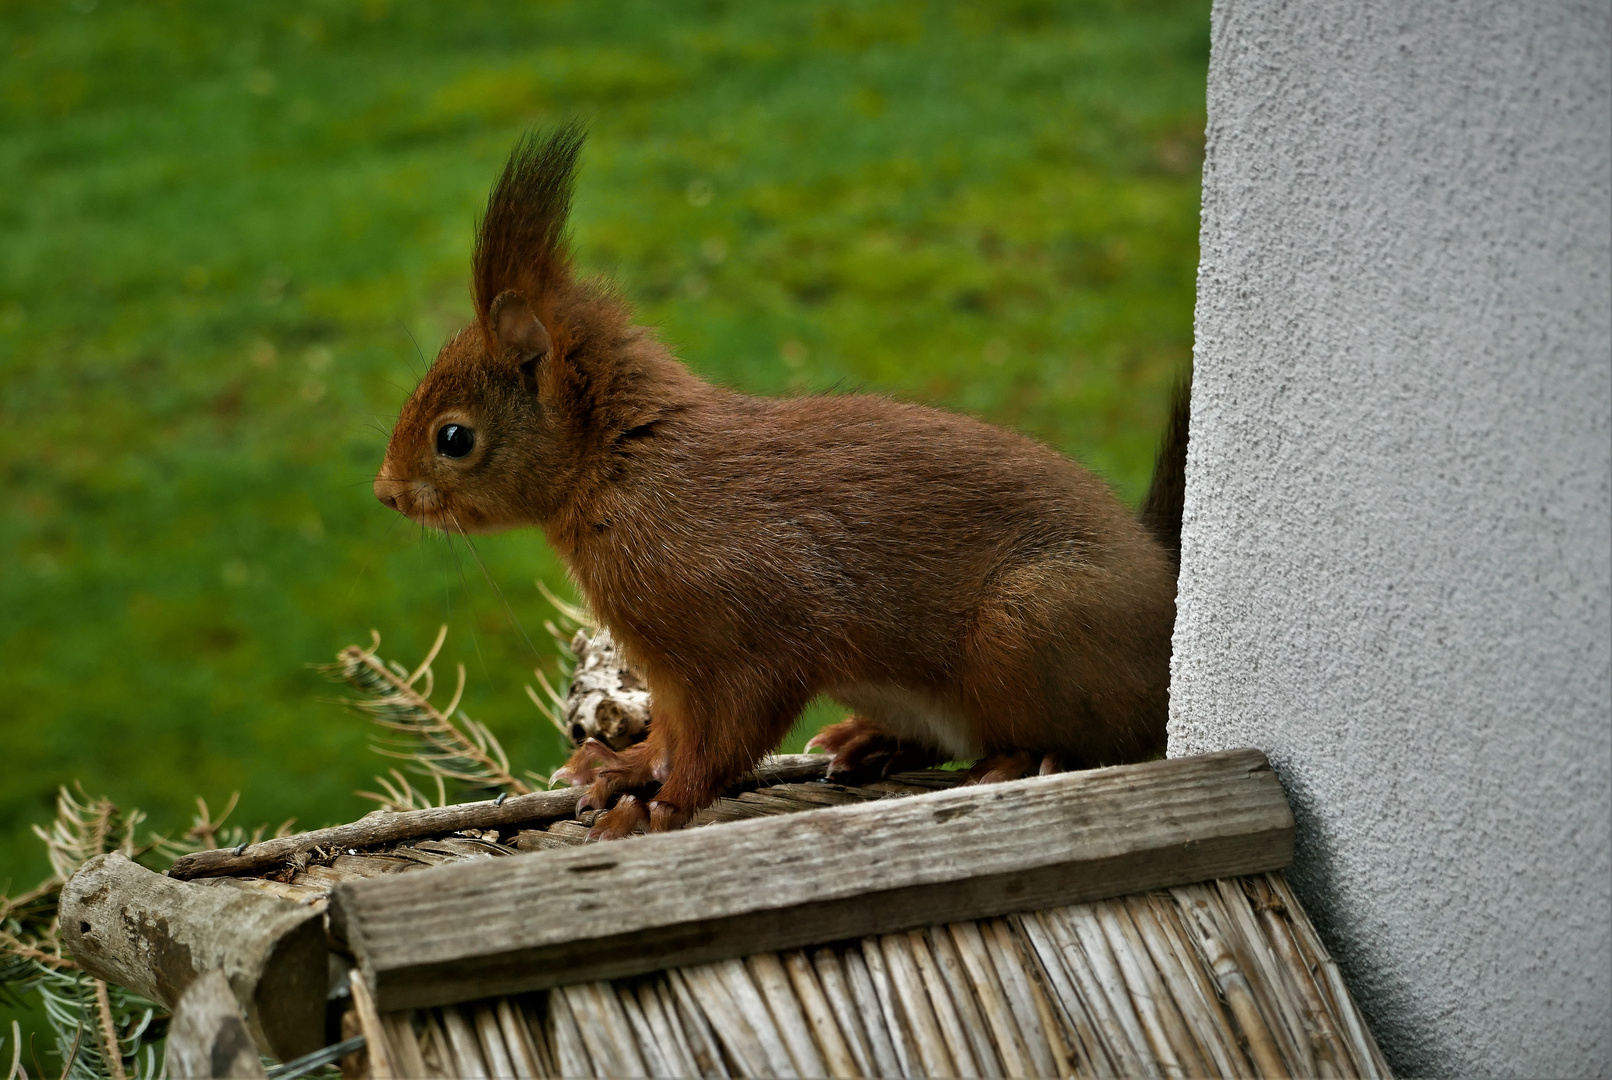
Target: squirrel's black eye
(455, 440)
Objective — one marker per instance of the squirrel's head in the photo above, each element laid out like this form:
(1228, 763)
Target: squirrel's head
(486, 438)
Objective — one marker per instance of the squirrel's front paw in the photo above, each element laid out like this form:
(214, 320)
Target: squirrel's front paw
(584, 764)
(625, 818)
(608, 773)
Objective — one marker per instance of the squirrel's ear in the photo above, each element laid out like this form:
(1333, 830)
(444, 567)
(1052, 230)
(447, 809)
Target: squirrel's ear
(519, 332)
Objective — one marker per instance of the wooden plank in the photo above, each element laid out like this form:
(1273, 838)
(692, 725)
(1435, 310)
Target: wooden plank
(603, 911)
(383, 827)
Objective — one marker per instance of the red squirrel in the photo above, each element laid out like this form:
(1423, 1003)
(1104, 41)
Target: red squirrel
(969, 593)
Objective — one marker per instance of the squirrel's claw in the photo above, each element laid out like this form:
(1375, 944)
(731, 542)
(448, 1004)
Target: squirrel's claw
(850, 743)
(600, 792)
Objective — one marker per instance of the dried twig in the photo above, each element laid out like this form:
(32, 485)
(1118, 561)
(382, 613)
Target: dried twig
(207, 832)
(381, 827)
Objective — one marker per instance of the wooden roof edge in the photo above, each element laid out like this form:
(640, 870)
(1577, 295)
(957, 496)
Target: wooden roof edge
(634, 906)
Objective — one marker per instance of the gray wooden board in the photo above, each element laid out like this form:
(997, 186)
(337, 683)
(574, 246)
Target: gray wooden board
(502, 926)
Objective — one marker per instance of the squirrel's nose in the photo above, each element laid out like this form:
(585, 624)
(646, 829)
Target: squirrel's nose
(387, 490)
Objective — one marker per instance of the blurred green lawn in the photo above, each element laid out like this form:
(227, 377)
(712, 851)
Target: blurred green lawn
(225, 226)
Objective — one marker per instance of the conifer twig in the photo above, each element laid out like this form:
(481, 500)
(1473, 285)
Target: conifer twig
(205, 829)
(33, 960)
(571, 618)
(401, 795)
(82, 829)
(111, 1050)
(548, 709)
(442, 743)
(576, 614)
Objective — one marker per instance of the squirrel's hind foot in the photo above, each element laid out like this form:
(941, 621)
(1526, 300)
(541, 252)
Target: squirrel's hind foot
(1013, 765)
(860, 747)
(631, 815)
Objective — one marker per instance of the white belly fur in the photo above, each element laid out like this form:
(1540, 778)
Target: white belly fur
(908, 714)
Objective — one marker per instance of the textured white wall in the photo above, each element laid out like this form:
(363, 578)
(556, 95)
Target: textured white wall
(1397, 566)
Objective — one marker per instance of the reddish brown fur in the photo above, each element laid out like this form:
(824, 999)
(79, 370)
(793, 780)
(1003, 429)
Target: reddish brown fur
(959, 585)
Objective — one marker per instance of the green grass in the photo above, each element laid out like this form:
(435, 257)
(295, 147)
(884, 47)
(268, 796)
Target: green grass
(226, 225)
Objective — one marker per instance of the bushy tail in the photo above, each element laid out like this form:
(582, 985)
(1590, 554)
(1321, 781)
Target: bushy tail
(1161, 509)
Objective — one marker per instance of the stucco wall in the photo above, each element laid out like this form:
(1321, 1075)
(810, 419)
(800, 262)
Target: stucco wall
(1398, 527)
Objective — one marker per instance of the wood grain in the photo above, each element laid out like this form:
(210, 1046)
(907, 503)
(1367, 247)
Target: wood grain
(608, 910)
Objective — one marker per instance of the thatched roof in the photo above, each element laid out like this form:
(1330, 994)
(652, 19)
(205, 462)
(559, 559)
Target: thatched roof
(1224, 976)
(1223, 979)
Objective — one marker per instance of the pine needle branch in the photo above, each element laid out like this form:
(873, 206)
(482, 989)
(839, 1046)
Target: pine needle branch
(442, 743)
(83, 829)
(102, 1032)
(400, 794)
(576, 614)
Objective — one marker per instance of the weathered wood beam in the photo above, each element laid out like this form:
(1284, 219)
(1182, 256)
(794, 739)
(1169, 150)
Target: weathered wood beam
(603, 911)
(382, 827)
(134, 927)
(208, 1038)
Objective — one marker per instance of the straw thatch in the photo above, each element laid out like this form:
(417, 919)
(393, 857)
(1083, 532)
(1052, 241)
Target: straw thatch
(1220, 979)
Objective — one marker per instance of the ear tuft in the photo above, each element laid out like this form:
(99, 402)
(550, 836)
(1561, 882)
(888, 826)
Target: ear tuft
(520, 334)
(521, 242)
